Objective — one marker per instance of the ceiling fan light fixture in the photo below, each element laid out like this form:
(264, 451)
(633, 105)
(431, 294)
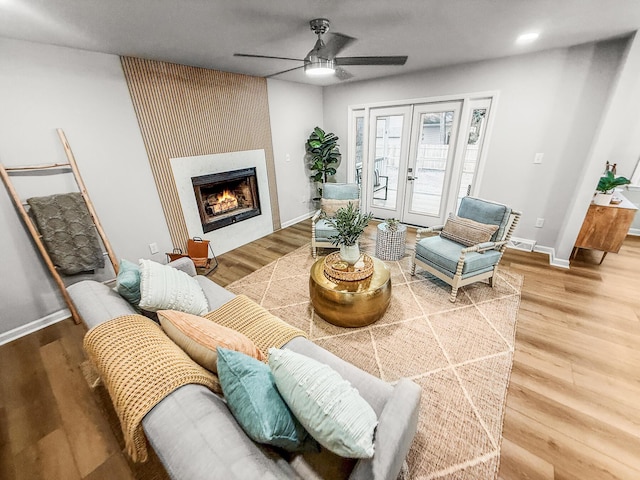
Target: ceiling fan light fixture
(320, 67)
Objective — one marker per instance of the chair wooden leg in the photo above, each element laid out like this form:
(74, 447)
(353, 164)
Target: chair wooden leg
(413, 268)
(454, 294)
(314, 252)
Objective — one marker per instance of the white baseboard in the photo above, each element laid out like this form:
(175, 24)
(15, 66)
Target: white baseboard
(635, 232)
(299, 219)
(528, 245)
(553, 260)
(34, 326)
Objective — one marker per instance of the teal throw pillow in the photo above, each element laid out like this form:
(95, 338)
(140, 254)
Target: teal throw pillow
(255, 403)
(331, 410)
(128, 282)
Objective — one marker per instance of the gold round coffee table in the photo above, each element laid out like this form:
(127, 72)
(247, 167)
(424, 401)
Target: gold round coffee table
(350, 304)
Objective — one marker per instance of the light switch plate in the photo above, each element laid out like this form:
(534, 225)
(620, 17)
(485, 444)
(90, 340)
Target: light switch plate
(538, 158)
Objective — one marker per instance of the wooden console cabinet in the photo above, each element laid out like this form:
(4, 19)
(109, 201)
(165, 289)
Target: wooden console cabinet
(606, 226)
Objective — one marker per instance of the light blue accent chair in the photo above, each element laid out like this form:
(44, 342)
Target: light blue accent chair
(334, 196)
(456, 264)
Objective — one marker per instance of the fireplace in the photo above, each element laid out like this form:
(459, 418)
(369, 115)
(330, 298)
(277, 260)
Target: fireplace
(226, 198)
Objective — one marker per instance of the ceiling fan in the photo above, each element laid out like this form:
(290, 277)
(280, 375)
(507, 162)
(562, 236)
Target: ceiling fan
(322, 60)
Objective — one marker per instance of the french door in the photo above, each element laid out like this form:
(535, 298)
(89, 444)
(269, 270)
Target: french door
(388, 153)
(421, 159)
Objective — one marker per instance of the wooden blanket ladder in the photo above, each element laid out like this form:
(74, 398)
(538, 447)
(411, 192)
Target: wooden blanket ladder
(5, 173)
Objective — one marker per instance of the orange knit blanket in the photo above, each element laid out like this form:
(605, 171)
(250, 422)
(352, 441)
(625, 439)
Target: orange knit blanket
(140, 366)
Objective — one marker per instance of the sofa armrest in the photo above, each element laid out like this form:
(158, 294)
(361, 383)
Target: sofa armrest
(96, 303)
(316, 216)
(184, 264)
(397, 425)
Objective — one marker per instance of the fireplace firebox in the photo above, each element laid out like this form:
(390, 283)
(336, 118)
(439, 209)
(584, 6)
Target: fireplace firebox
(226, 198)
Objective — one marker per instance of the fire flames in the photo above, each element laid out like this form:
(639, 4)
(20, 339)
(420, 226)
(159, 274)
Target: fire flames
(223, 202)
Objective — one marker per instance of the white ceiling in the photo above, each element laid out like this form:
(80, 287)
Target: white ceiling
(206, 33)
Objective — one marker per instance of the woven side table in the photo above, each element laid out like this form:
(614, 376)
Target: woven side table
(390, 245)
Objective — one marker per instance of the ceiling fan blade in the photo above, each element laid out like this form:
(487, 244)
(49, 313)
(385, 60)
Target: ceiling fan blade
(284, 71)
(267, 56)
(336, 44)
(394, 60)
(342, 74)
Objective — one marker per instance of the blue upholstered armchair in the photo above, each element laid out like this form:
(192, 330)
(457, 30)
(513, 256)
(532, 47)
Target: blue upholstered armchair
(469, 246)
(334, 196)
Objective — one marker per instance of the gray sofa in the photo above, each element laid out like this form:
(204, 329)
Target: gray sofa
(196, 437)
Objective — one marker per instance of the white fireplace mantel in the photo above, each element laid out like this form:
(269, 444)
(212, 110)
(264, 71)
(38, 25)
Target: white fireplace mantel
(237, 234)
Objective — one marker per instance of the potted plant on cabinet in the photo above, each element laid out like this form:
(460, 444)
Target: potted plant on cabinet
(391, 240)
(323, 154)
(606, 185)
(349, 224)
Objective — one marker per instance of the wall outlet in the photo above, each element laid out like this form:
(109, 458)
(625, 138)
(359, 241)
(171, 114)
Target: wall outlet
(539, 222)
(538, 158)
(153, 248)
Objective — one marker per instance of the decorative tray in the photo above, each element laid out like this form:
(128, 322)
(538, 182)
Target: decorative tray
(337, 269)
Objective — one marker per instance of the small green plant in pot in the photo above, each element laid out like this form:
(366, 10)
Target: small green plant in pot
(606, 186)
(392, 224)
(349, 223)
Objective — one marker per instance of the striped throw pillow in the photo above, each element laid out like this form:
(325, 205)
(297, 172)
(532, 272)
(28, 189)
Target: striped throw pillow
(467, 232)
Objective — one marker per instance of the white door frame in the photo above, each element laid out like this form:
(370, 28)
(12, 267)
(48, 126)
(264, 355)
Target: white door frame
(364, 110)
(451, 171)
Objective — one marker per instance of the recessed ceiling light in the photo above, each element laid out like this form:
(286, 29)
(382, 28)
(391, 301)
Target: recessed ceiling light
(527, 38)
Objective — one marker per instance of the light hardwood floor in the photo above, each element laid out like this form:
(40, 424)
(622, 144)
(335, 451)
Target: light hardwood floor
(573, 406)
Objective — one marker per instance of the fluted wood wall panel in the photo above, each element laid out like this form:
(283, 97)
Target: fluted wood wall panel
(187, 111)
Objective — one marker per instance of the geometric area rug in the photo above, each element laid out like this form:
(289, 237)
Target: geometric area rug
(460, 353)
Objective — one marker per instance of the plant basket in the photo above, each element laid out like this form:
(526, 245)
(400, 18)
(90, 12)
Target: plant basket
(390, 244)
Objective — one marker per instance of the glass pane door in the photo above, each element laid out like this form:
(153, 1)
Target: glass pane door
(415, 161)
(388, 137)
(477, 128)
(430, 162)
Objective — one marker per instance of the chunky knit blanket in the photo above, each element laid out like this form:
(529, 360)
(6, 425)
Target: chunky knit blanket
(247, 317)
(140, 366)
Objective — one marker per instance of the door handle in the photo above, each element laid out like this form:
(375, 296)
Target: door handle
(412, 178)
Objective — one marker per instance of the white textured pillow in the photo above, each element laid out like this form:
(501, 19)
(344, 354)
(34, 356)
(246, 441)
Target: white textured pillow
(328, 407)
(165, 288)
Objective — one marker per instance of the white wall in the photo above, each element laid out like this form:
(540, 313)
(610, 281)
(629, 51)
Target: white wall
(625, 141)
(549, 102)
(295, 110)
(45, 87)
(632, 193)
(616, 126)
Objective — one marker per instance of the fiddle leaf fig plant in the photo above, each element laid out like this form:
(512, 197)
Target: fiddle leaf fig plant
(608, 182)
(324, 154)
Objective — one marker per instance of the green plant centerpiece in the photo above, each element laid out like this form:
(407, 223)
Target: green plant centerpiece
(323, 154)
(606, 186)
(349, 224)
